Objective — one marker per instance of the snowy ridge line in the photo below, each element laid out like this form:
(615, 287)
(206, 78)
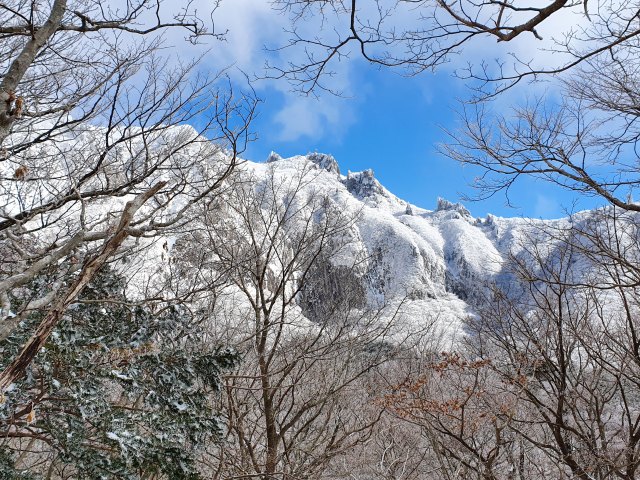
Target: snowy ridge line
(439, 257)
(443, 258)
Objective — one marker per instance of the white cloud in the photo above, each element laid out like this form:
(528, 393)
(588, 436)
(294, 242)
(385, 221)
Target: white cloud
(254, 24)
(302, 116)
(546, 207)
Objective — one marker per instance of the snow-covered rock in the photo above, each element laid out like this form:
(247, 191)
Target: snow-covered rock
(326, 162)
(363, 184)
(439, 259)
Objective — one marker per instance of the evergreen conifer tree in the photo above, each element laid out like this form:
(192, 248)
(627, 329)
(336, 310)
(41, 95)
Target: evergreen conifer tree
(118, 391)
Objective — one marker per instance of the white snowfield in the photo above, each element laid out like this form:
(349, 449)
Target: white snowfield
(420, 248)
(437, 259)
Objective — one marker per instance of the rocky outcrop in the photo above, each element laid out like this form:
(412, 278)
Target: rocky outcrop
(408, 210)
(326, 162)
(446, 205)
(363, 184)
(273, 157)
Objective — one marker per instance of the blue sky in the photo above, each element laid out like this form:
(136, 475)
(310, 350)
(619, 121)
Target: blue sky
(391, 124)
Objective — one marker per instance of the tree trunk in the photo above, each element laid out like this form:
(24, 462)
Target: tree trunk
(20, 65)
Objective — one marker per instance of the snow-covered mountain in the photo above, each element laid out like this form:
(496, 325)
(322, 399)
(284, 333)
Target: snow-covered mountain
(439, 258)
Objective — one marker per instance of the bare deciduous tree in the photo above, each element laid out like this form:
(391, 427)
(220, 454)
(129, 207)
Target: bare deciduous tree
(92, 117)
(416, 36)
(303, 394)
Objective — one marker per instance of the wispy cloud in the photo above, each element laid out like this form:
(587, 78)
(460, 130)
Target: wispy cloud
(254, 25)
(546, 207)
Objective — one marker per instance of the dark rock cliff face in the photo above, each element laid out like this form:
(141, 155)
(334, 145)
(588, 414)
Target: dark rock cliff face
(459, 288)
(465, 284)
(330, 290)
(379, 276)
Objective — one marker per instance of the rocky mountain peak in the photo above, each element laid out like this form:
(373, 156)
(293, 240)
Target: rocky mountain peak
(363, 184)
(324, 161)
(446, 205)
(273, 157)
